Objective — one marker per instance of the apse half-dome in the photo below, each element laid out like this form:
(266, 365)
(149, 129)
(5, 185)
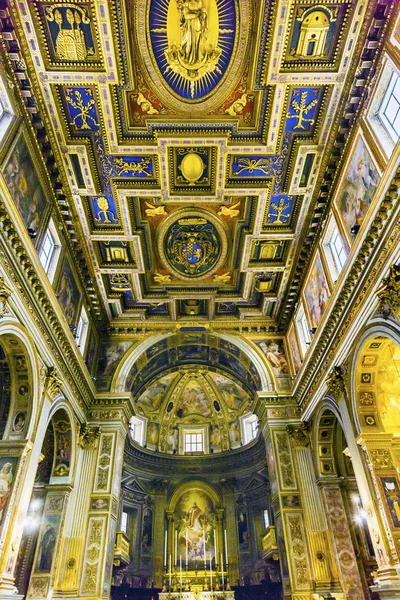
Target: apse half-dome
(208, 404)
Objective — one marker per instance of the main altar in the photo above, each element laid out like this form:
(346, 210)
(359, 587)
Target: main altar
(198, 593)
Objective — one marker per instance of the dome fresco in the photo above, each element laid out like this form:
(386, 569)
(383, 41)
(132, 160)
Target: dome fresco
(194, 397)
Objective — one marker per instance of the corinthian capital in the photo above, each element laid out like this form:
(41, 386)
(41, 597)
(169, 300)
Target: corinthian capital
(336, 382)
(88, 437)
(53, 381)
(299, 435)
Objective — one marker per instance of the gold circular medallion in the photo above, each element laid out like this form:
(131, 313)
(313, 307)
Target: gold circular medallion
(192, 167)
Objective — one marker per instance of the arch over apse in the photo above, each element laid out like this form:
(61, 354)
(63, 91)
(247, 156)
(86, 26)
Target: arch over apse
(21, 356)
(161, 353)
(375, 384)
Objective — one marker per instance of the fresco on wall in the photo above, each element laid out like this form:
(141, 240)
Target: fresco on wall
(243, 533)
(215, 439)
(275, 354)
(195, 523)
(109, 357)
(358, 189)
(231, 393)
(47, 543)
(8, 467)
(193, 400)
(172, 440)
(294, 349)
(24, 185)
(392, 497)
(91, 351)
(63, 446)
(147, 530)
(68, 293)
(153, 433)
(19, 422)
(316, 292)
(154, 394)
(234, 434)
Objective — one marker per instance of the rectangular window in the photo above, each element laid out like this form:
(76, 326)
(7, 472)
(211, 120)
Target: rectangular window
(82, 330)
(137, 430)
(390, 108)
(334, 249)
(47, 250)
(303, 330)
(338, 250)
(254, 429)
(194, 442)
(6, 111)
(266, 519)
(124, 522)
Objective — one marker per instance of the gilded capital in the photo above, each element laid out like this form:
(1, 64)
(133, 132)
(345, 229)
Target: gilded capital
(53, 381)
(298, 435)
(336, 382)
(389, 293)
(5, 292)
(88, 437)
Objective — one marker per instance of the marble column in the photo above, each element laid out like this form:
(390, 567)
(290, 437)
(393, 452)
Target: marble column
(295, 562)
(323, 564)
(158, 537)
(47, 555)
(229, 524)
(342, 542)
(387, 582)
(101, 523)
(380, 453)
(67, 580)
(26, 456)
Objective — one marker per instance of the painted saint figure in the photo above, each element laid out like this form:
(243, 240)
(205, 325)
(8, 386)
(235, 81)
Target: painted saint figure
(46, 549)
(6, 480)
(194, 514)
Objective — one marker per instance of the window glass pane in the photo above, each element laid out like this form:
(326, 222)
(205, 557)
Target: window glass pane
(266, 519)
(46, 250)
(396, 89)
(124, 522)
(391, 109)
(193, 442)
(396, 124)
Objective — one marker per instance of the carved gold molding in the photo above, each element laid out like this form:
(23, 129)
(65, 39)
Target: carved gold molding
(5, 292)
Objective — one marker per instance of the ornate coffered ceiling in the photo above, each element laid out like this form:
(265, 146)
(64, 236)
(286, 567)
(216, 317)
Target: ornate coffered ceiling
(192, 138)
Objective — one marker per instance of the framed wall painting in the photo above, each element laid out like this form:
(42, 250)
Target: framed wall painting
(316, 292)
(23, 177)
(293, 350)
(356, 189)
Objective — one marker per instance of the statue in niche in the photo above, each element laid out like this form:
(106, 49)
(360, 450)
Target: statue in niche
(242, 529)
(147, 531)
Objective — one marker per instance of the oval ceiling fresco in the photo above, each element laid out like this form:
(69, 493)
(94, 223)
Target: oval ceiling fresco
(192, 42)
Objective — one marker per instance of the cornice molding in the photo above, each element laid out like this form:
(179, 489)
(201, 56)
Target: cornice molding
(41, 132)
(232, 462)
(355, 91)
(363, 276)
(20, 270)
